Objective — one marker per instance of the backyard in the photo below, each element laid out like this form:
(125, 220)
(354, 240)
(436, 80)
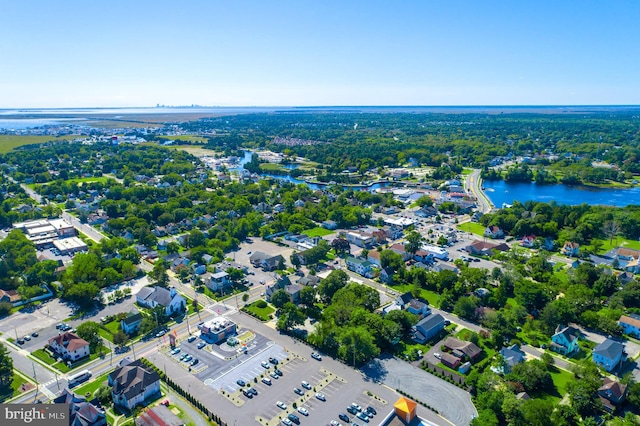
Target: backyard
(260, 309)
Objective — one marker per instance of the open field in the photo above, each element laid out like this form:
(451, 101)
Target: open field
(11, 142)
(187, 138)
(195, 150)
(317, 232)
(473, 227)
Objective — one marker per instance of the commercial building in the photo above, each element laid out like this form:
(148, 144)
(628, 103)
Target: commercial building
(217, 329)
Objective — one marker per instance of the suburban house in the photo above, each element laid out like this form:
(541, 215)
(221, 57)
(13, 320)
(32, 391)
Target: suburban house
(630, 324)
(404, 299)
(360, 238)
(81, 411)
(609, 354)
(570, 248)
(399, 248)
(450, 360)
(512, 356)
(485, 248)
(359, 266)
(69, 346)
(417, 307)
(218, 281)
(169, 299)
(133, 383)
(612, 394)
(439, 267)
(330, 225)
(386, 275)
(565, 340)
(493, 231)
(309, 280)
(461, 348)
(131, 324)
(374, 257)
(528, 241)
(10, 296)
(265, 261)
(293, 291)
(427, 328)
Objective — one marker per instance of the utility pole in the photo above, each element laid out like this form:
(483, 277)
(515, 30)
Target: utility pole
(57, 382)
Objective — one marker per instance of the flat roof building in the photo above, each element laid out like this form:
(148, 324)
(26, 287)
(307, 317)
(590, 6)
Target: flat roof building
(217, 329)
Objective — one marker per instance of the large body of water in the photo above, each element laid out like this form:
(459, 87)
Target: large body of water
(501, 192)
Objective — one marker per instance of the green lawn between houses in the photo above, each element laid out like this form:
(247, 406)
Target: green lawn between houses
(14, 389)
(473, 227)
(317, 232)
(262, 313)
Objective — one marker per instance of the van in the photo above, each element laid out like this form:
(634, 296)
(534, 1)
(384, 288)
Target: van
(266, 381)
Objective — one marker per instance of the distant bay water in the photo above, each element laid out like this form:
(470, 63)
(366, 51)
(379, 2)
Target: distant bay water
(501, 192)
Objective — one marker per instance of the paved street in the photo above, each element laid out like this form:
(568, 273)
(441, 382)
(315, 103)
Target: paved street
(473, 185)
(86, 229)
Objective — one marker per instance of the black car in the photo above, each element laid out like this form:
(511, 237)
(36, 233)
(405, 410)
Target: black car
(247, 393)
(241, 382)
(277, 371)
(253, 391)
(343, 417)
(34, 334)
(294, 418)
(273, 361)
(352, 410)
(371, 410)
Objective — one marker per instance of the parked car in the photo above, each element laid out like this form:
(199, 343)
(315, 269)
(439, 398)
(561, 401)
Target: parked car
(287, 422)
(298, 391)
(371, 410)
(253, 391)
(437, 355)
(191, 339)
(34, 334)
(316, 356)
(201, 345)
(27, 337)
(175, 351)
(241, 383)
(265, 364)
(247, 393)
(303, 411)
(188, 358)
(363, 417)
(352, 410)
(281, 405)
(277, 371)
(266, 381)
(273, 361)
(343, 417)
(294, 418)
(195, 361)
(356, 406)
(274, 375)
(306, 385)
(321, 396)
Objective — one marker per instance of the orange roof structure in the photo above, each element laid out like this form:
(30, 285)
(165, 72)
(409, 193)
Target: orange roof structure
(405, 409)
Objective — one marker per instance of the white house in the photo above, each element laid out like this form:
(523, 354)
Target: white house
(151, 297)
(69, 346)
(132, 384)
(218, 281)
(359, 266)
(493, 232)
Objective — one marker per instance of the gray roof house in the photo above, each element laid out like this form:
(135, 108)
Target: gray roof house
(512, 356)
(428, 327)
(151, 297)
(609, 354)
(131, 323)
(133, 383)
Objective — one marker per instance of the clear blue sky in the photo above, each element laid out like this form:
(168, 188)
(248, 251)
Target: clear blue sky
(321, 52)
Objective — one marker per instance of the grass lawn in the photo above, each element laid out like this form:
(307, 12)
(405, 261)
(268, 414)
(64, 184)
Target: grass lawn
(560, 379)
(91, 386)
(43, 356)
(473, 227)
(262, 313)
(105, 334)
(317, 232)
(10, 142)
(113, 326)
(188, 138)
(619, 242)
(14, 390)
(271, 167)
(430, 296)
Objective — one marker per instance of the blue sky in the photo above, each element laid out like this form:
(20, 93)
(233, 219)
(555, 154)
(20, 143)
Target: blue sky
(276, 53)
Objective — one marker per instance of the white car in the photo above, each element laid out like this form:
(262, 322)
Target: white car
(306, 385)
(321, 396)
(281, 405)
(303, 411)
(437, 355)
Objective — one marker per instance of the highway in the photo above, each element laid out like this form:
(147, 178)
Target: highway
(473, 185)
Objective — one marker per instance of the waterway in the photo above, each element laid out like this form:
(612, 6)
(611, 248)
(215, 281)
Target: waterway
(501, 192)
(247, 157)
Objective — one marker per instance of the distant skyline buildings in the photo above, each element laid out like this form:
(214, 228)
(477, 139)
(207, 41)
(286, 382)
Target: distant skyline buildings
(302, 53)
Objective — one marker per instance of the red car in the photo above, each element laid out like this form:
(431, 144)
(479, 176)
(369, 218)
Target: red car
(165, 403)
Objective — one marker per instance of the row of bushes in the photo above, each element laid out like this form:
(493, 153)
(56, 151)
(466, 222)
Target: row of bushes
(417, 400)
(425, 367)
(197, 404)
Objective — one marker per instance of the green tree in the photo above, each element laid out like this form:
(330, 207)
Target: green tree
(308, 295)
(279, 298)
(290, 316)
(89, 331)
(414, 242)
(158, 275)
(357, 345)
(6, 367)
(82, 294)
(330, 285)
(466, 308)
(120, 338)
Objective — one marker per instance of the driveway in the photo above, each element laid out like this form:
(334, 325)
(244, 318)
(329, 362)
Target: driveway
(452, 402)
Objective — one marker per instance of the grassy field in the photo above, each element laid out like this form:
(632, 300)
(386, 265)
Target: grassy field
(618, 242)
(262, 313)
(186, 138)
(430, 296)
(271, 167)
(317, 232)
(11, 142)
(473, 227)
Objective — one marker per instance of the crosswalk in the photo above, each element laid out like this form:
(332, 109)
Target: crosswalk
(45, 389)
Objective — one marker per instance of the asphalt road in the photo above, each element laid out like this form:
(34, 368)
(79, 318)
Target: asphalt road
(473, 185)
(86, 229)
